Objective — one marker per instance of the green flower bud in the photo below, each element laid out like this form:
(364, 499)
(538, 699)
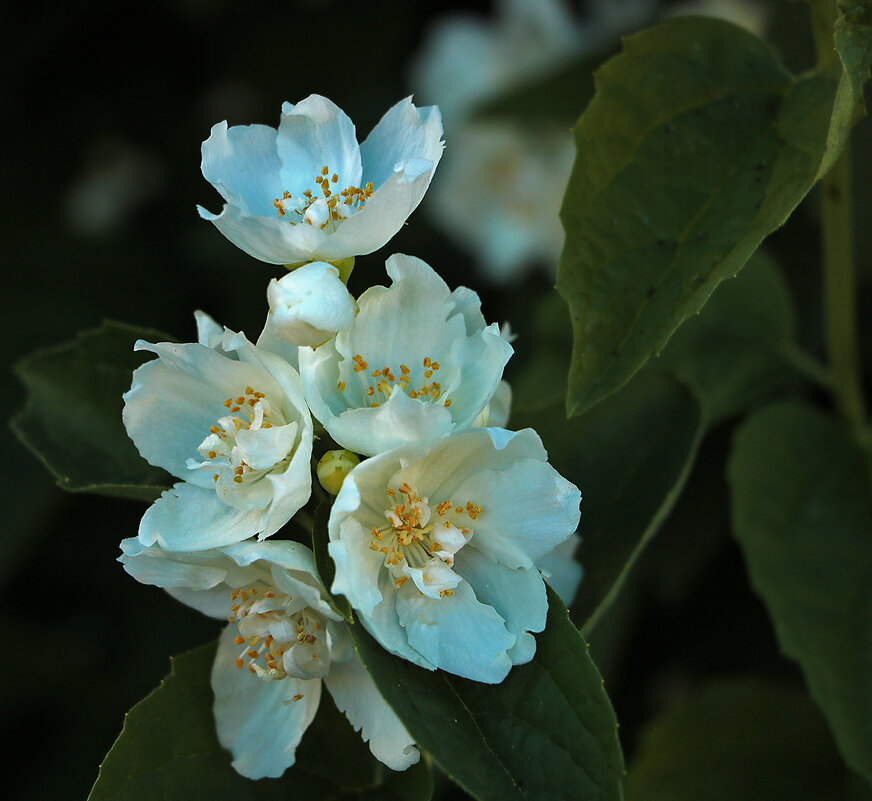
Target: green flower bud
(333, 468)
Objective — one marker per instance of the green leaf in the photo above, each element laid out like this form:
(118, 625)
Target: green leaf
(740, 738)
(323, 563)
(697, 145)
(802, 512)
(853, 39)
(630, 457)
(548, 732)
(71, 419)
(168, 751)
(735, 353)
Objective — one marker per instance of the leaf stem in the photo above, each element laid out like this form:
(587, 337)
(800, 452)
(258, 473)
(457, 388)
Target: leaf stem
(838, 247)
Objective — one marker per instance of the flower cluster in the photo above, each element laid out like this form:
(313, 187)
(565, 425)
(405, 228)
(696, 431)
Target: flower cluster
(443, 522)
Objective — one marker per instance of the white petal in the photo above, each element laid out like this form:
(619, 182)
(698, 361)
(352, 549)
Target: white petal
(404, 132)
(191, 518)
(517, 595)
(312, 134)
(356, 695)
(529, 508)
(209, 333)
(500, 407)
(357, 567)
(159, 568)
(256, 719)
(268, 239)
(243, 165)
(561, 570)
(457, 633)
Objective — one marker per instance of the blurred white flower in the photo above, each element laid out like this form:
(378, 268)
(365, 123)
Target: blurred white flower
(308, 191)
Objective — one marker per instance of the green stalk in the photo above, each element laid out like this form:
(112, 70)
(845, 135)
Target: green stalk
(838, 248)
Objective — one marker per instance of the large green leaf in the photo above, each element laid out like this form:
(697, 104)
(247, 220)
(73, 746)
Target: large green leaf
(802, 512)
(697, 144)
(630, 457)
(71, 419)
(741, 739)
(168, 751)
(547, 732)
(736, 352)
(853, 39)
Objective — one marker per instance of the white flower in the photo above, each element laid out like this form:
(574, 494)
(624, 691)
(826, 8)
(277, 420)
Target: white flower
(308, 192)
(499, 194)
(417, 362)
(309, 305)
(435, 546)
(230, 420)
(561, 570)
(282, 641)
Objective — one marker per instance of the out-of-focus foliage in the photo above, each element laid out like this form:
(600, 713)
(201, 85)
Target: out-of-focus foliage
(72, 418)
(741, 738)
(802, 511)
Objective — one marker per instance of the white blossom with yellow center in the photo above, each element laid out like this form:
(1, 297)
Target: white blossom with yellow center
(282, 639)
(436, 547)
(230, 420)
(417, 362)
(309, 192)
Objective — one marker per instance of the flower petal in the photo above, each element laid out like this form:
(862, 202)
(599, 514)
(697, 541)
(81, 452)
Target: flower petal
(356, 695)
(242, 163)
(260, 722)
(517, 595)
(561, 570)
(404, 132)
(313, 133)
(191, 518)
(457, 633)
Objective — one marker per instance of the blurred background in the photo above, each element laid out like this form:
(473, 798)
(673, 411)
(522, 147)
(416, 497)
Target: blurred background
(105, 108)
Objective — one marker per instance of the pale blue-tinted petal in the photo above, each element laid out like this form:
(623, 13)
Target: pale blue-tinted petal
(151, 565)
(243, 165)
(264, 448)
(257, 720)
(517, 595)
(383, 624)
(500, 407)
(272, 341)
(356, 695)
(404, 132)
(380, 218)
(209, 333)
(287, 554)
(312, 134)
(561, 570)
(400, 420)
(357, 567)
(468, 304)
(267, 238)
(457, 633)
(191, 518)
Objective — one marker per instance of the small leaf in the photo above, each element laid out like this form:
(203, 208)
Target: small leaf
(734, 354)
(697, 145)
(548, 732)
(323, 563)
(71, 419)
(740, 738)
(630, 457)
(168, 750)
(853, 39)
(802, 512)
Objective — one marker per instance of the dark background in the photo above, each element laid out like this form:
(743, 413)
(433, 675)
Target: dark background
(104, 108)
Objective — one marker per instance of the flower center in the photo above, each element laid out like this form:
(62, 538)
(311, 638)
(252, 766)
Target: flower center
(225, 448)
(380, 383)
(276, 643)
(420, 541)
(324, 206)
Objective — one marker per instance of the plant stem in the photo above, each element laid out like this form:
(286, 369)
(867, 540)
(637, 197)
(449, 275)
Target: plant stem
(838, 248)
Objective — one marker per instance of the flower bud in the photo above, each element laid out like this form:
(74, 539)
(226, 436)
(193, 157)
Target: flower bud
(333, 468)
(309, 305)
